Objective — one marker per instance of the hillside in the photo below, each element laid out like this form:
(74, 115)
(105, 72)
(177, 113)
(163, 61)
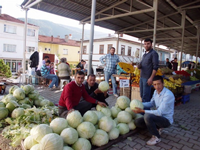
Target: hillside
(49, 28)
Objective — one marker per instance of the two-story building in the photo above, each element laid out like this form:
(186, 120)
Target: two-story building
(128, 50)
(12, 41)
(56, 48)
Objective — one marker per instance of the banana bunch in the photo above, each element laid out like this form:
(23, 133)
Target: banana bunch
(159, 73)
(171, 79)
(137, 72)
(179, 81)
(169, 84)
(136, 79)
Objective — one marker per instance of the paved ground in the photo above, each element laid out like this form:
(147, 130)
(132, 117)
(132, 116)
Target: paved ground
(183, 134)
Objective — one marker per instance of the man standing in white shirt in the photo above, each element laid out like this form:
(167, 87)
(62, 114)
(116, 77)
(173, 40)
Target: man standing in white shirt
(161, 116)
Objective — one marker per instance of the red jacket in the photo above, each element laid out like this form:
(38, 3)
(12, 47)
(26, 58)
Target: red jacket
(71, 95)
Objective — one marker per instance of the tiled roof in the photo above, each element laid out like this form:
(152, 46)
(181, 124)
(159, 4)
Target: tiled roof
(57, 40)
(12, 19)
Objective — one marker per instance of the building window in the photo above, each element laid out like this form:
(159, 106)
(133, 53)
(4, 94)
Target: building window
(14, 65)
(84, 49)
(10, 29)
(101, 49)
(31, 32)
(30, 49)
(9, 48)
(129, 51)
(122, 49)
(65, 51)
(45, 49)
(109, 47)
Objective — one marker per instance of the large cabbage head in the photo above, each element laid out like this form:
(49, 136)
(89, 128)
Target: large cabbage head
(45, 102)
(106, 123)
(8, 98)
(40, 131)
(26, 101)
(35, 147)
(11, 105)
(103, 86)
(17, 112)
(129, 110)
(27, 88)
(51, 141)
(58, 124)
(29, 142)
(12, 89)
(2, 104)
(100, 138)
(90, 116)
(82, 144)
(106, 111)
(115, 111)
(74, 119)
(33, 95)
(3, 112)
(131, 125)
(19, 94)
(67, 148)
(69, 135)
(136, 103)
(86, 130)
(124, 117)
(113, 134)
(99, 114)
(123, 128)
(123, 102)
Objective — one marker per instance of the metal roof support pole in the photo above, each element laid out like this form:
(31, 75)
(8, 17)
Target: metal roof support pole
(140, 55)
(183, 32)
(24, 52)
(117, 51)
(155, 6)
(91, 36)
(198, 34)
(81, 53)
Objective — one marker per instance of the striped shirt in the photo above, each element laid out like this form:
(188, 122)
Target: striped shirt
(110, 61)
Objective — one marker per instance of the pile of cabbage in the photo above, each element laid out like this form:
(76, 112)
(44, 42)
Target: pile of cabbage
(22, 109)
(94, 128)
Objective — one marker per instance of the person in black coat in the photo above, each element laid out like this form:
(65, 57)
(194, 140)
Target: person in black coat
(92, 89)
(80, 65)
(34, 60)
(168, 64)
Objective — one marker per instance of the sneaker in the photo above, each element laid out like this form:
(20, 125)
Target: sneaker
(116, 95)
(154, 140)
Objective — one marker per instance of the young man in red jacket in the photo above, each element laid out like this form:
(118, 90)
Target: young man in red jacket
(71, 95)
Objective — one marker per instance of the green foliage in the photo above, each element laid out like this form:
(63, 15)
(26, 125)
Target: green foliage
(4, 69)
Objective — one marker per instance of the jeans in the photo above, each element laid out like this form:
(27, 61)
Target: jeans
(108, 75)
(54, 79)
(152, 123)
(145, 90)
(82, 107)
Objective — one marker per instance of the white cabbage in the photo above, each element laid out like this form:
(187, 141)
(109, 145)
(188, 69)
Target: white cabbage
(82, 144)
(123, 102)
(74, 119)
(131, 125)
(90, 116)
(67, 148)
(123, 128)
(58, 124)
(99, 114)
(29, 142)
(115, 111)
(69, 135)
(103, 86)
(106, 123)
(113, 134)
(136, 103)
(100, 138)
(86, 130)
(124, 117)
(35, 147)
(129, 110)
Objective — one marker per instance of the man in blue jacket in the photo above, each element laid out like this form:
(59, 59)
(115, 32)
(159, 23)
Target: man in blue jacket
(149, 67)
(45, 72)
(161, 113)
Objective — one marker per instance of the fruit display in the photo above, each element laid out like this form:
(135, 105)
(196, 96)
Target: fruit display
(128, 68)
(166, 70)
(4, 69)
(136, 77)
(172, 83)
(193, 78)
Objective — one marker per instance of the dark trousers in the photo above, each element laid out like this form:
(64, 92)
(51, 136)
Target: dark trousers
(152, 123)
(82, 107)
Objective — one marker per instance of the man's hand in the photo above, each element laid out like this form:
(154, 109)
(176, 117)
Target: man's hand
(101, 104)
(138, 110)
(150, 81)
(97, 91)
(70, 111)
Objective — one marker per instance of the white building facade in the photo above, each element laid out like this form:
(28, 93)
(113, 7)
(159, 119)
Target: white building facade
(12, 41)
(127, 50)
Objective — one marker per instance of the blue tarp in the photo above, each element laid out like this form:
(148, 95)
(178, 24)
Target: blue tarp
(191, 82)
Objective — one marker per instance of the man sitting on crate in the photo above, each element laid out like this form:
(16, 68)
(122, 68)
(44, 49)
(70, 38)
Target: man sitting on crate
(45, 72)
(71, 95)
(92, 89)
(161, 113)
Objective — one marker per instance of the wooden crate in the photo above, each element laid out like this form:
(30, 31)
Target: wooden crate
(126, 91)
(135, 94)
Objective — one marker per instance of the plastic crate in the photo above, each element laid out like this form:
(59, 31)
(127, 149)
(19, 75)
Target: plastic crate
(185, 98)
